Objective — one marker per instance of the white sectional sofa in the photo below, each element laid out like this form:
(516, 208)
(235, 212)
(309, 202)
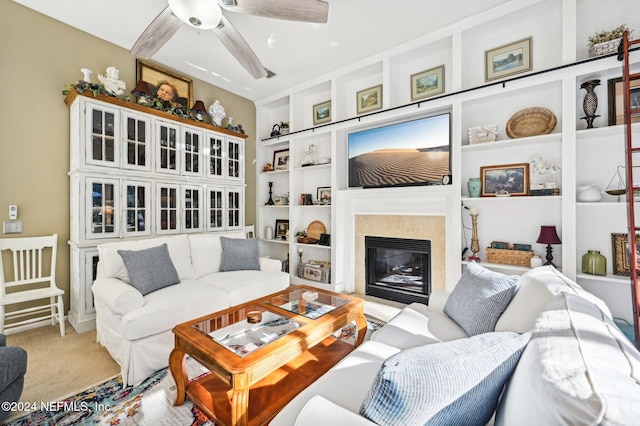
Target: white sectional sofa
(577, 367)
(136, 328)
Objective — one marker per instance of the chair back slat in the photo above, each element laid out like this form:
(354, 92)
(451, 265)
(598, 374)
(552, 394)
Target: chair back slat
(28, 256)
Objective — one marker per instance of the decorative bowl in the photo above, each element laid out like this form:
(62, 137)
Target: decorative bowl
(531, 122)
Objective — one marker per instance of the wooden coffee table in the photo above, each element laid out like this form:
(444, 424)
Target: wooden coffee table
(257, 368)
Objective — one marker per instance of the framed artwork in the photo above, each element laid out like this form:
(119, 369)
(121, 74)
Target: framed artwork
(322, 113)
(427, 83)
(166, 82)
(281, 159)
(369, 99)
(282, 227)
(324, 194)
(505, 180)
(509, 59)
(621, 255)
(616, 100)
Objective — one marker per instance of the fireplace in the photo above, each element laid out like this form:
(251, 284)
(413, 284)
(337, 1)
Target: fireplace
(398, 269)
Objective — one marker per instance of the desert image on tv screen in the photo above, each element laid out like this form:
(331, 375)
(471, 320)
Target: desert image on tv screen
(410, 153)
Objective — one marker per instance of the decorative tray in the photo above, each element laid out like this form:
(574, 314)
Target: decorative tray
(531, 122)
(316, 228)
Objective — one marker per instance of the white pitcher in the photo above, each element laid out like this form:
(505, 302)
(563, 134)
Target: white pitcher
(589, 193)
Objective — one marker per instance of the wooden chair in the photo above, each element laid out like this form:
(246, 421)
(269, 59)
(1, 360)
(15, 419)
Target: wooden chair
(29, 254)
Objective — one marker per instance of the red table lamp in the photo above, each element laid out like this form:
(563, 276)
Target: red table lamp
(548, 236)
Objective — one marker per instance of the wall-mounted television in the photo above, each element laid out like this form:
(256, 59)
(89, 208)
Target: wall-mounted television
(412, 152)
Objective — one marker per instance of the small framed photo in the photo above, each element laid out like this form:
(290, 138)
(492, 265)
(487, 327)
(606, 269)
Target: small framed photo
(322, 113)
(616, 100)
(324, 194)
(282, 227)
(281, 159)
(369, 99)
(427, 83)
(505, 180)
(621, 254)
(510, 59)
(313, 273)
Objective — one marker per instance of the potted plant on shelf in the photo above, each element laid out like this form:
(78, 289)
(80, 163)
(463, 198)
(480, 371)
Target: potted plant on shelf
(284, 127)
(606, 42)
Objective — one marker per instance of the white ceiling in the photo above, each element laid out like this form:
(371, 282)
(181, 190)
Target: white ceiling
(296, 52)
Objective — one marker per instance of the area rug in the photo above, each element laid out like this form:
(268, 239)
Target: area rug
(151, 403)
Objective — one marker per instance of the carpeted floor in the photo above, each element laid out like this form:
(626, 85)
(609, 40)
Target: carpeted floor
(151, 403)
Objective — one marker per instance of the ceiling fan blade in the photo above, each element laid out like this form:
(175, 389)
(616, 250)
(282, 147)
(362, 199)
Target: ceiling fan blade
(156, 34)
(239, 48)
(290, 10)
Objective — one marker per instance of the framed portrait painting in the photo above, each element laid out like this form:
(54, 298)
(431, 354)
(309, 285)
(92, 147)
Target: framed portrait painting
(369, 99)
(156, 77)
(427, 83)
(505, 180)
(507, 60)
(616, 100)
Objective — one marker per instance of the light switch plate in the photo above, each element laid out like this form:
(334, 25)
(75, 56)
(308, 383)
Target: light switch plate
(12, 227)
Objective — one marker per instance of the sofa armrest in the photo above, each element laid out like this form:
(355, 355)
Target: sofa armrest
(270, 265)
(437, 300)
(321, 411)
(120, 297)
(3, 340)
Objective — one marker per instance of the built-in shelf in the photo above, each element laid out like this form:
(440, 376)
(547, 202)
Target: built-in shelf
(609, 278)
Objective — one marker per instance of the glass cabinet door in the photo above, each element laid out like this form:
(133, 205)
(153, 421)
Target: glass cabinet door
(234, 208)
(215, 209)
(103, 128)
(167, 211)
(192, 208)
(137, 214)
(214, 155)
(192, 149)
(167, 155)
(235, 159)
(137, 140)
(102, 207)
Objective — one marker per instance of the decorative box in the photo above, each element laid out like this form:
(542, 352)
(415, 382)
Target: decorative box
(509, 257)
(481, 134)
(312, 272)
(604, 48)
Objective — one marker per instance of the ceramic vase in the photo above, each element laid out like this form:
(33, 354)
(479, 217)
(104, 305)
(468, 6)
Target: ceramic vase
(590, 103)
(535, 261)
(475, 186)
(594, 263)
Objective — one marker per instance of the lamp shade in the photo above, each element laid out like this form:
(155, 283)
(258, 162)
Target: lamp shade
(198, 107)
(548, 235)
(142, 89)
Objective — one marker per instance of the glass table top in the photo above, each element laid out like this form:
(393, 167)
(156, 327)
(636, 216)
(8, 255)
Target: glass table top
(309, 303)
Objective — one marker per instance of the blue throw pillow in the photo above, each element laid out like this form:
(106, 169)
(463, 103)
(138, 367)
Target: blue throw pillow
(479, 298)
(450, 383)
(150, 269)
(239, 254)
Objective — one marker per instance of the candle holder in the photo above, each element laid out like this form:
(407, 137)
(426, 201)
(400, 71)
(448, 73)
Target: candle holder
(475, 245)
(270, 202)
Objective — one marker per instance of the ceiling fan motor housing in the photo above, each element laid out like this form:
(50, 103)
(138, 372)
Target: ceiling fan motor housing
(200, 14)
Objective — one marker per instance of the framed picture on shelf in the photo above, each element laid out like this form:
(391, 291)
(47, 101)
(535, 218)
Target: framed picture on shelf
(324, 194)
(427, 83)
(282, 227)
(157, 77)
(322, 113)
(369, 99)
(620, 251)
(505, 180)
(616, 100)
(507, 60)
(281, 159)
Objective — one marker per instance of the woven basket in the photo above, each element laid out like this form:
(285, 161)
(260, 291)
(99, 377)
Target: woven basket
(604, 48)
(531, 122)
(509, 257)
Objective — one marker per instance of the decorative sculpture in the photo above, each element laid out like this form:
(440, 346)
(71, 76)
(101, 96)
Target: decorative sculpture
(590, 103)
(216, 111)
(475, 245)
(112, 82)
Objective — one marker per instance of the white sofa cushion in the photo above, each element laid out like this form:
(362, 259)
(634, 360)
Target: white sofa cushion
(456, 382)
(242, 286)
(417, 325)
(578, 369)
(112, 266)
(206, 251)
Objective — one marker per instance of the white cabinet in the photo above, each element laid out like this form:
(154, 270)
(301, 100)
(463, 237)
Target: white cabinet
(136, 172)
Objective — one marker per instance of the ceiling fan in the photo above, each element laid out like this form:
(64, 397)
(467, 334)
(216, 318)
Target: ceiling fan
(208, 15)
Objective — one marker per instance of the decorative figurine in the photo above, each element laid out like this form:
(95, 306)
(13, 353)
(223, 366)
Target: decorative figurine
(590, 103)
(308, 156)
(86, 74)
(216, 111)
(475, 246)
(112, 82)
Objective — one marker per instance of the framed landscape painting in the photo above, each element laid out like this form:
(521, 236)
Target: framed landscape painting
(369, 99)
(427, 83)
(507, 60)
(505, 180)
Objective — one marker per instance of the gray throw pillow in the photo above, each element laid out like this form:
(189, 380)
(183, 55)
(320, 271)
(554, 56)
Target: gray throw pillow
(451, 383)
(150, 269)
(479, 298)
(239, 254)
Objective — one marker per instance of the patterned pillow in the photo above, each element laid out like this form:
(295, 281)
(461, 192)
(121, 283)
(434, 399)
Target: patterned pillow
(150, 269)
(479, 298)
(451, 383)
(239, 254)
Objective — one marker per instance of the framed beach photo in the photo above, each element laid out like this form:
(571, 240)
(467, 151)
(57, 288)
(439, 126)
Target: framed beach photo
(616, 100)
(427, 83)
(369, 99)
(505, 180)
(156, 76)
(507, 60)
(322, 113)
(281, 159)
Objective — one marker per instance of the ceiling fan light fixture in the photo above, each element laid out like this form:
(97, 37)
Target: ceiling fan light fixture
(200, 14)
